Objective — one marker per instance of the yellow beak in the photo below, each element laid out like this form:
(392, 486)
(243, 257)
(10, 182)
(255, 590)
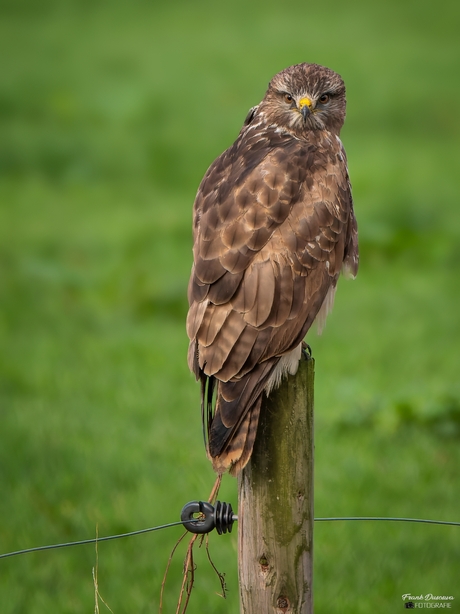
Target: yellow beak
(305, 106)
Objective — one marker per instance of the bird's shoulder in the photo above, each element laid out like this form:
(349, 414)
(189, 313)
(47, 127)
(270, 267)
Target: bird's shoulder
(243, 158)
(264, 174)
(266, 160)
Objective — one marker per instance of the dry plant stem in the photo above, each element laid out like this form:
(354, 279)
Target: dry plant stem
(220, 575)
(189, 577)
(163, 584)
(97, 595)
(189, 567)
(96, 588)
(215, 489)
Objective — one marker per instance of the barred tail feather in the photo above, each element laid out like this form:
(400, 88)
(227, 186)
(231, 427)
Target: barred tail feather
(232, 427)
(238, 448)
(253, 416)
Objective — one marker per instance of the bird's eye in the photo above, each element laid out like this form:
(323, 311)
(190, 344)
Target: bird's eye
(288, 97)
(324, 98)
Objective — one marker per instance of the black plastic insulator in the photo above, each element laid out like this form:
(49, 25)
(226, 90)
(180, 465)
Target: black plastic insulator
(219, 517)
(223, 517)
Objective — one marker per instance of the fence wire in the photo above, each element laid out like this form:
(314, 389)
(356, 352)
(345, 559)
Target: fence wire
(95, 540)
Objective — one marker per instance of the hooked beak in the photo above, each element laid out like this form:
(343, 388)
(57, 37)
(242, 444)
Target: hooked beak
(305, 106)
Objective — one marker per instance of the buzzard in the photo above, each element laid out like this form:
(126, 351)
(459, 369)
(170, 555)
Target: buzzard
(273, 227)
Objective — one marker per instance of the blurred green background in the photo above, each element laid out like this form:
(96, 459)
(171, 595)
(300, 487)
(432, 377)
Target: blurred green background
(110, 113)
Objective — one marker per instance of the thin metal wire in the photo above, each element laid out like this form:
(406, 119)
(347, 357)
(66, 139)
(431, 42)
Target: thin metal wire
(180, 522)
(94, 540)
(388, 518)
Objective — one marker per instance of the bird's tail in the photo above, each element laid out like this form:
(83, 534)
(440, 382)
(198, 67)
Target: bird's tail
(238, 449)
(231, 426)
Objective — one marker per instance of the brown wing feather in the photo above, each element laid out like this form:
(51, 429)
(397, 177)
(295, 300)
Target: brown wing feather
(273, 225)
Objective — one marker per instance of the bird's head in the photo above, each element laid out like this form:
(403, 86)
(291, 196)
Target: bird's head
(305, 97)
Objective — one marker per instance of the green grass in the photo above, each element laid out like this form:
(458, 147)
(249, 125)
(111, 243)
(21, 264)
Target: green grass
(110, 113)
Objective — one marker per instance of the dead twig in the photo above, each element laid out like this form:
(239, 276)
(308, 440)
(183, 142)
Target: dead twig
(188, 579)
(220, 575)
(215, 489)
(97, 594)
(168, 565)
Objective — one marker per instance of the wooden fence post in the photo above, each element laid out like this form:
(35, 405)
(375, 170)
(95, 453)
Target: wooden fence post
(275, 507)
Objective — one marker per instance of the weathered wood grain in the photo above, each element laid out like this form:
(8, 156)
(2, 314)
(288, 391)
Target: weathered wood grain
(275, 508)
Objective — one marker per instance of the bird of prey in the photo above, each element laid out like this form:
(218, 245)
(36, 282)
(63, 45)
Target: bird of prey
(273, 227)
